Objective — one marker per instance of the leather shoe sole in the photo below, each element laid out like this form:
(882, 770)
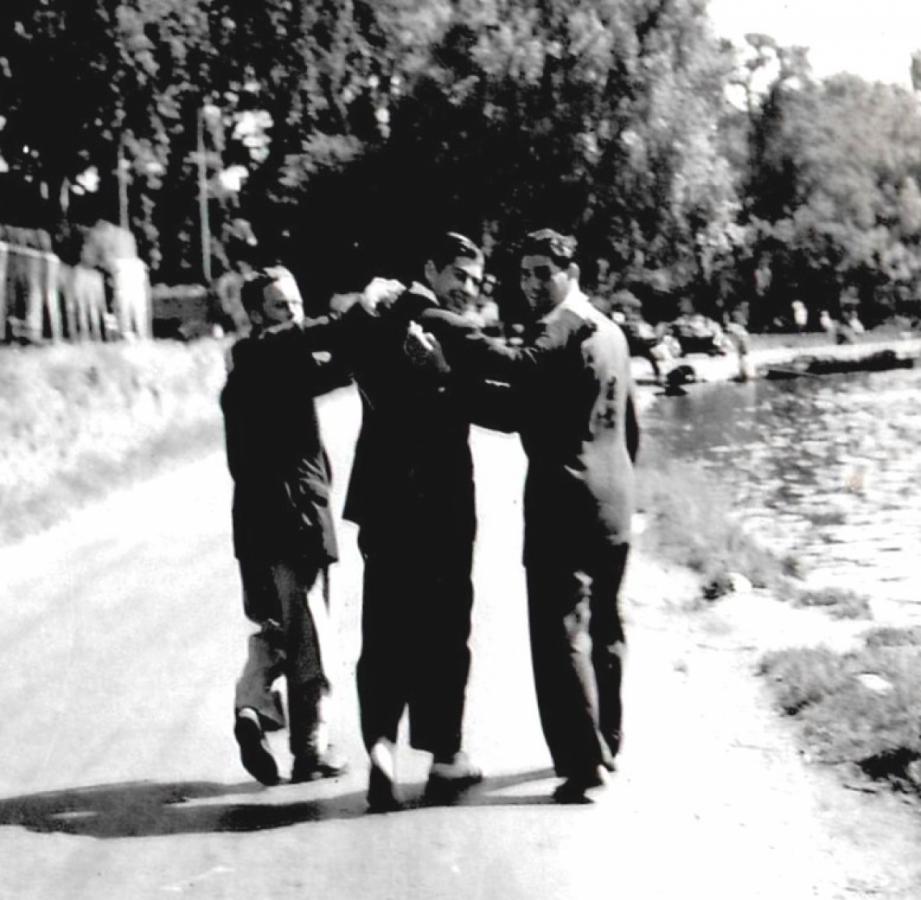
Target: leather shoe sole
(382, 792)
(255, 754)
(441, 790)
(573, 789)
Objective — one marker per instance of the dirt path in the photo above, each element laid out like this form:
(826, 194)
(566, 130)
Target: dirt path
(122, 637)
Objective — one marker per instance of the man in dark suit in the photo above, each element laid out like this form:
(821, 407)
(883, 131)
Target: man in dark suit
(282, 529)
(572, 403)
(411, 494)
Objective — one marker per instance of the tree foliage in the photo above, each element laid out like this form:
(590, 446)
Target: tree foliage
(834, 191)
(348, 132)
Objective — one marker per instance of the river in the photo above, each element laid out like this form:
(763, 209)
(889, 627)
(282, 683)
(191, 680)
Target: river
(825, 468)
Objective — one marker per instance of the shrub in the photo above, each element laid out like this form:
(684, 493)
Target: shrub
(691, 521)
(843, 716)
(837, 602)
(79, 419)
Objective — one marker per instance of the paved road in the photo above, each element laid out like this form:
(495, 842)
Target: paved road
(122, 636)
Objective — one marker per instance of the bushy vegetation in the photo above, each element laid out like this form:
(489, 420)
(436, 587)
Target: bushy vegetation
(862, 707)
(839, 603)
(78, 421)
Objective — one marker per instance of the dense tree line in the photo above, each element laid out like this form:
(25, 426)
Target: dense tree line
(362, 126)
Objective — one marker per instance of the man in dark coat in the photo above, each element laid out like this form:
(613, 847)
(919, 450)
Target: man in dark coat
(573, 407)
(283, 530)
(411, 494)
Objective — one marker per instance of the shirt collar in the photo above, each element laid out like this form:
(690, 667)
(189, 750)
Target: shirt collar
(575, 302)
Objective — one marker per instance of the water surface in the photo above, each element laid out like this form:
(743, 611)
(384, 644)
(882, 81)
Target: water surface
(825, 468)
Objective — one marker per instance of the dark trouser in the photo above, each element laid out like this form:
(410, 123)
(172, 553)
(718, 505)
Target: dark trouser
(415, 627)
(577, 651)
(287, 643)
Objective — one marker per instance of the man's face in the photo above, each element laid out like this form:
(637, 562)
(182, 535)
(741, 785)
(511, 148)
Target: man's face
(282, 303)
(458, 283)
(543, 283)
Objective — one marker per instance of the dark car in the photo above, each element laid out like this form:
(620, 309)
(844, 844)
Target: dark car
(641, 336)
(698, 334)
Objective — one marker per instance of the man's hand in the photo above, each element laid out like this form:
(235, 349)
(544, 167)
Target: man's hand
(380, 293)
(424, 351)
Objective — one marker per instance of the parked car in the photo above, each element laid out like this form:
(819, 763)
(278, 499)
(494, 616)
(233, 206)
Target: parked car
(641, 336)
(697, 334)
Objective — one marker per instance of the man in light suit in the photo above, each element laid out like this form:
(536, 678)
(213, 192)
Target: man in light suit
(572, 403)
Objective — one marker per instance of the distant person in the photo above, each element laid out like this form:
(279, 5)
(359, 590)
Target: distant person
(572, 403)
(283, 531)
(853, 321)
(849, 327)
(800, 315)
(677, 378)
(826, 323)
(739, 337)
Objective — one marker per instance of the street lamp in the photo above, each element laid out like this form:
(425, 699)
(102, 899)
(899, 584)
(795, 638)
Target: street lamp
(207, 113)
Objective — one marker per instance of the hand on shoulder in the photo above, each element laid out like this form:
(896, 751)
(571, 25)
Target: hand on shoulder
(380, 293)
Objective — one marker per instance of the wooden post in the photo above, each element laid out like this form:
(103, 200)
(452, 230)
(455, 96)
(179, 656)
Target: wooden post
(53, 295)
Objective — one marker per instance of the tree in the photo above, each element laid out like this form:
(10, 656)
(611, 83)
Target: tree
(596, 117)
(836, 180)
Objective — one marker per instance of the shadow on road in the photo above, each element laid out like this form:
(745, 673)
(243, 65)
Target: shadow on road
(146, 809)
(488, 793)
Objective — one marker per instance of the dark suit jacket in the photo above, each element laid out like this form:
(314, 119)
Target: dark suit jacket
(412, 477)
(411, 489)
(277, 460)
(573, 407)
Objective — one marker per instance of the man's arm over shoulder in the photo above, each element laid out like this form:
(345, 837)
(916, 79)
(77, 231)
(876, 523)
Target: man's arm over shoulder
(631, 425)
(469, 349)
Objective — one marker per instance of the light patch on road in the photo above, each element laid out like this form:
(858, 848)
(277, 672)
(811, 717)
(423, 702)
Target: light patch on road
(181, 886)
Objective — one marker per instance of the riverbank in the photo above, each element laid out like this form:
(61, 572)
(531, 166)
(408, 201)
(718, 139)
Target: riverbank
(79, 420)
(846, 666)
(851, 684)
(790, 356)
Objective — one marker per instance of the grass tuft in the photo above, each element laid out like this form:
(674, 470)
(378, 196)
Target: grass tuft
(839, 603)
(862, 707)
(691, 521)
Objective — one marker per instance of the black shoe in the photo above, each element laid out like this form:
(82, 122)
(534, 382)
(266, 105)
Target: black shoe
(312, 767)
(449, 777)
(382, 792)
(383, 795)
(573, 789)
(255, 753)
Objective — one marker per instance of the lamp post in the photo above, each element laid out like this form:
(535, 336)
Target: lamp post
(203, 199)
(122, 174)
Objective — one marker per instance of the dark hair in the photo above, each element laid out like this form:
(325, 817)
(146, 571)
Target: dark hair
(252, 294)
(449, 246)
(561, 248)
